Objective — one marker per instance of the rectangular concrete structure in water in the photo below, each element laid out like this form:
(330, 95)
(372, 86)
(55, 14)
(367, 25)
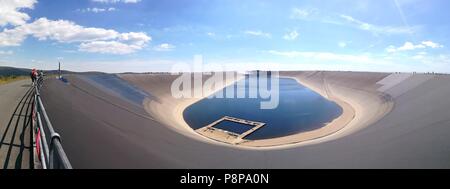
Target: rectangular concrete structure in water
(218, 131)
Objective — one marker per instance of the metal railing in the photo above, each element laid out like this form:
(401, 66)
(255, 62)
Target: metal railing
(48, 142)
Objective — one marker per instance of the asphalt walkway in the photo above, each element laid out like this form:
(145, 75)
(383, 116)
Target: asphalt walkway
(16, 144)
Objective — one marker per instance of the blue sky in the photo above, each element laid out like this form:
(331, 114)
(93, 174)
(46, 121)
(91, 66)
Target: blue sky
(149, 35)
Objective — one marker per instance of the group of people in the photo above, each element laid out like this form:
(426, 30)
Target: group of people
(35, 74)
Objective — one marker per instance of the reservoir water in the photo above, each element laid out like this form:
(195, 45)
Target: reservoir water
(300, 109)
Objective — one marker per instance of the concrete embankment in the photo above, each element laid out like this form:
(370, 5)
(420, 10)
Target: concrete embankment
(101, 130)
(361, 102)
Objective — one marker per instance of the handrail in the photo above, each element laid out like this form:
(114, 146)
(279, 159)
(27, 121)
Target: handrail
(51, 153)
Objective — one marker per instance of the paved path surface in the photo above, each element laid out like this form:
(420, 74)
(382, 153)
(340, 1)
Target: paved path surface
(15, 121)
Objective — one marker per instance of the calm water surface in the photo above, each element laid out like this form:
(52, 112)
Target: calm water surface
(300, 109)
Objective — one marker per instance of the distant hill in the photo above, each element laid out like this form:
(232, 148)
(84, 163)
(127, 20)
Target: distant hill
(11, 71)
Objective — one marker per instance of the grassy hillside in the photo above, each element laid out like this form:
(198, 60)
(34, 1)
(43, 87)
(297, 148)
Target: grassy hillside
(10, 74)
(8, 79)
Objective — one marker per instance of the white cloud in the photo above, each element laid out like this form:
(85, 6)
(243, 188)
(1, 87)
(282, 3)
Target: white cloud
(9, 11)
(258, 33)
(6, 52)
(59, 30)
(98, 10)
(432, 44)
(377, 29)
(138, 38)
(164, 47)
(293, 35)
(109, 47)
(116, 1)
(68, 32)
(96, 40)
(11, 38)
(301, 14)
(409, 46)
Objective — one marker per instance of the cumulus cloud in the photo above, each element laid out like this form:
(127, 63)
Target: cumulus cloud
(11, 38)
(258, 33)
(108, 47)
(116, 1)
(90, 39)
(409, 46)
(293, 35)
(65, 31)
(432, 44)
(68, 32)
(10, 11)
(164, 47)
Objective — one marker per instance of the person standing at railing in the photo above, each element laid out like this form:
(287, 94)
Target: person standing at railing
(33, 75)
